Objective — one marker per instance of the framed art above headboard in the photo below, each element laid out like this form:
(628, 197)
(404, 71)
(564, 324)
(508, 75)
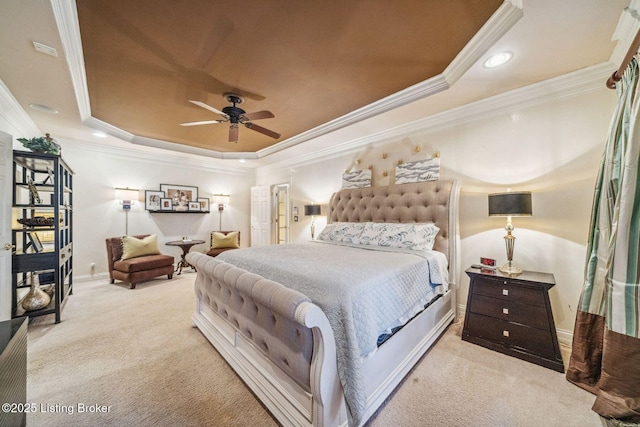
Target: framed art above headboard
(418, 171)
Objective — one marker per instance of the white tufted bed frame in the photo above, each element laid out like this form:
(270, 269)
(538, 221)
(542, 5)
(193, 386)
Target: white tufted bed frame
(281, 344)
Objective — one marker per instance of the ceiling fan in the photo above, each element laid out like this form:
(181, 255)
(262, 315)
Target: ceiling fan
(235, 115)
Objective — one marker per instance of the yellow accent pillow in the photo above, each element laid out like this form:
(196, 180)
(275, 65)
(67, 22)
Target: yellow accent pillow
(133, 247)
(220, 240)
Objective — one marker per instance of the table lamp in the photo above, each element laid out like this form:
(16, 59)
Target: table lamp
(312, 210)
(509, 204)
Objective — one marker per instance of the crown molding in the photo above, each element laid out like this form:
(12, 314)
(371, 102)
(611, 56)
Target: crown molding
(565, 86)
(626, 30)
(497, 26)
(505, 17)
(66, 17)
(15, 116)
(169, 158)
(500, 22)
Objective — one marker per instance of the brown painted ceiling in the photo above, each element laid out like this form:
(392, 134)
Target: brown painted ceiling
(307, 62)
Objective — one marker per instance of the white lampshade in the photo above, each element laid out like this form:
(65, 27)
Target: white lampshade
(127, 194)
(221, 199)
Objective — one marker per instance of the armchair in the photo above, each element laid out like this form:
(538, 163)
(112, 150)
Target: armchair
(223, 243)
(138, 269)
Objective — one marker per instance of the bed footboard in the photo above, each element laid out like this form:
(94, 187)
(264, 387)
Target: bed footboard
(274, 338)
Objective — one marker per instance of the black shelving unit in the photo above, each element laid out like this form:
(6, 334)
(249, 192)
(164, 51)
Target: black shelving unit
(42, 230)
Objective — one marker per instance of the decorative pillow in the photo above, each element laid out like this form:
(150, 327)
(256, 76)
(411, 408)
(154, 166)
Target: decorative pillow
(417, 237)
(221, 240)
(427, 232)
(133, 247)
(421, 170)
(342, 232)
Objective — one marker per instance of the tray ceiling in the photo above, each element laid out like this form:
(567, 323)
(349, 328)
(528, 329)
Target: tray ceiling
(307, 62)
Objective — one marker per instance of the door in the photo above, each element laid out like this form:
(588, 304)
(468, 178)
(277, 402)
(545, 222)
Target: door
(6, 182)
(281, 213)
(260, 216)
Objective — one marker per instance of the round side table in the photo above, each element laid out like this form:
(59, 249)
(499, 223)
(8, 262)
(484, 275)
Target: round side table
(185, 245)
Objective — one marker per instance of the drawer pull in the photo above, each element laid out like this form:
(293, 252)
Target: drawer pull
(505, 292)
(505, 333)
(505, 311)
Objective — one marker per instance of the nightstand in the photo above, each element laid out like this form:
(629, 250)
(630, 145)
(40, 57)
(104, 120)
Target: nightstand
(513, 315)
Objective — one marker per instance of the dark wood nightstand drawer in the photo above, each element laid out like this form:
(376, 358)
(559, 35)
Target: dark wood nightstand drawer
(528, 315)
(508, 290)
(512, 315)
(530, 340)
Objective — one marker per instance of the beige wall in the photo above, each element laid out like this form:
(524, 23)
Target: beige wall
(552, 149)
(97, 215)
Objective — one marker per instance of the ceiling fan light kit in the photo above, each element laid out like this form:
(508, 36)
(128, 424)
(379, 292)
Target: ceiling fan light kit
(235, 115)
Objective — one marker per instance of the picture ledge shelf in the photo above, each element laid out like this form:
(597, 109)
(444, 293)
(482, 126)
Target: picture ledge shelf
(180, 212)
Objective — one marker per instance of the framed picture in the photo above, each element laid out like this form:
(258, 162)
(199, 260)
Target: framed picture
(204, 204)
(180, 195)
(152, 200)
(34, 241)
(194, 206)
(166, 204)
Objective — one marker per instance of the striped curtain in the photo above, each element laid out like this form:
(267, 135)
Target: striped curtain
(605, 357)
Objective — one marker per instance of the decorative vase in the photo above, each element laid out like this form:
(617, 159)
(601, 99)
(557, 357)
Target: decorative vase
(36, 298)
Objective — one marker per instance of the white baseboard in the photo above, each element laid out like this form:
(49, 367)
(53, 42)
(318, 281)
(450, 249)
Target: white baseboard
(90, 277)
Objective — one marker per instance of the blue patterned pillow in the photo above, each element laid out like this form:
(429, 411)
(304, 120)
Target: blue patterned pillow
(417, 236)
(342, 232)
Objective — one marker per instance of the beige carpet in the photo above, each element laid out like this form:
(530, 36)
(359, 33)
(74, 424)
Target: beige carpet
(135, 352)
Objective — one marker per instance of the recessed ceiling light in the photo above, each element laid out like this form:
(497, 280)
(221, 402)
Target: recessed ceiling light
(242, 160)
(497, 60)
(99, 134)
(44, 108)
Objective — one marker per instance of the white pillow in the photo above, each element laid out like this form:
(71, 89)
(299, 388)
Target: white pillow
(342, 232)
(415, 236)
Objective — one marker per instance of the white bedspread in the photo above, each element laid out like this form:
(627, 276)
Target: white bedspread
(363, 292)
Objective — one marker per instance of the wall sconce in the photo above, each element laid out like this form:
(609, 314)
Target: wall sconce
(312, 210)
(221, 200)
(127, 196)
(517, 203)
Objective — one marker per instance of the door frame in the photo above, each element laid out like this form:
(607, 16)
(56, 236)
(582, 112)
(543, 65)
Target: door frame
(275, 232)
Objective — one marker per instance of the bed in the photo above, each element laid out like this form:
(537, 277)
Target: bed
(278, 328)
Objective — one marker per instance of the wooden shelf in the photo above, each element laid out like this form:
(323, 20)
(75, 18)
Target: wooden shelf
(55, 256)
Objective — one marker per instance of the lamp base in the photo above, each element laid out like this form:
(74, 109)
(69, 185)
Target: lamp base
(510, 269)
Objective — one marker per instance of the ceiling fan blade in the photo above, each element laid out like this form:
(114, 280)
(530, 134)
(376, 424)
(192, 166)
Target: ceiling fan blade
(259, 115)
(208, 107)
(206, 122)
(262, 130)
(233, 132)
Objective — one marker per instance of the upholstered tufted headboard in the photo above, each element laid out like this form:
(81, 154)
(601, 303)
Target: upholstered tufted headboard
(432, 201)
